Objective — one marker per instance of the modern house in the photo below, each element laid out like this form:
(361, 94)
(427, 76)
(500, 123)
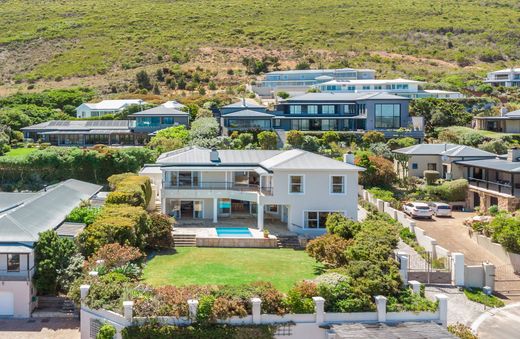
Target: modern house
(299, 81)
(245, 115)
(22, 217)
(509, 77)
(109, 132)
(296, 188)
(439, 157)
(402, 87)
(94, 110)
(507, 122)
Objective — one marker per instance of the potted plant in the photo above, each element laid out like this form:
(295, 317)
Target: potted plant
(266, 233)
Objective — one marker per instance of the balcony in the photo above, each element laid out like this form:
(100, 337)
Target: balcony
(220, 185)
(500, 187)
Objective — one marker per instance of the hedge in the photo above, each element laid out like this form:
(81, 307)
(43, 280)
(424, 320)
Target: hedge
(155, 331)
(131, 189)
(454, 190)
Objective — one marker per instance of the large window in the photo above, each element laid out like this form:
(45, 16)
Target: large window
(13, 263)
(329, 125)
(148, 121)
(388, 116)
(300, 124)
(249, 123)
(312, 109)
(337, 184)
(295, 109)
(183, 179)
(327, 109)
(296, 184)
(315, 219)
(167, 121)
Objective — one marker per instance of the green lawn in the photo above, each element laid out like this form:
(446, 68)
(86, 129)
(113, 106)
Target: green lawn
(487, 134)
(19, 152)
(231, 266)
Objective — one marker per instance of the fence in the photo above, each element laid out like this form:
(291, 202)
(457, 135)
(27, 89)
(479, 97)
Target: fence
(294, 325)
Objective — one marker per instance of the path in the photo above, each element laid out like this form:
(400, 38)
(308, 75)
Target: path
(56, 328)
(499, 323)
(416, 262)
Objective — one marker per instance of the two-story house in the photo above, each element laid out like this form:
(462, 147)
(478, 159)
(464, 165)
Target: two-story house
(159, 117)
(509, 77)
(245, 115)
(94, 110)
(296, 187)
(299, 81)
(22, 217)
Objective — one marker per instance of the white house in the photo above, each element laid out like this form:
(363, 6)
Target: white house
(297, 188)
(403, 87)
(89, 110)
(22, 217)
(509, 77)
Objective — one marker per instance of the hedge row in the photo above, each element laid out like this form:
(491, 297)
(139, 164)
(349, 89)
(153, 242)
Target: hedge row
(131, 189)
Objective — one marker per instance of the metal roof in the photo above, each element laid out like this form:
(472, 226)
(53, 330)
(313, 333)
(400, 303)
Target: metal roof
(344, 97)
(160, 110)
(326, 70)
(14, 248)
(245, 104)
(371, 82)
(70, 229)
(113, 104)
(45, 211)
(247, 113)
(467, 151)
(80, 125)
(10, 200)
(409, 330)
(425, 149)
(498, 164)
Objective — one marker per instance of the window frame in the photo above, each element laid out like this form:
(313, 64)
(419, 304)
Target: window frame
(332, 184)
(318, 212)
(10, 255)
(313, 111)
(293, 110)
(290, 184)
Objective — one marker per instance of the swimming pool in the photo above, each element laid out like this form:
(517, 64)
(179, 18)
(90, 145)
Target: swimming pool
(233, 232)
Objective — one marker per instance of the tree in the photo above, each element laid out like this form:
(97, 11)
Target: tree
(311, 143)
(371, 137)
(204, 113)
(282, 94)
(295, 138)
(267, 140)
(330, 137)
(52, 255)
(245, 138)
(204, 128)
(396, 143)
(143, 80)
(381, 149)
(496, 146)
(156, 89)
(160, 236)
(378, 171)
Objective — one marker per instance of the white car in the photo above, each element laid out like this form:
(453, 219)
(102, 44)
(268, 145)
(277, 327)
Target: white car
(418, 210)
(440, 209)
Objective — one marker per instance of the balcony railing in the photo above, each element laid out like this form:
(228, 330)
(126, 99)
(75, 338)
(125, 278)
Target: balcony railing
(501, 187)
(220, 185)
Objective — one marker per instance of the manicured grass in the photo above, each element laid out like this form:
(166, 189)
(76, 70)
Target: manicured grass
(19, 152)
(478, 296)
(487, 134)
(230, 266)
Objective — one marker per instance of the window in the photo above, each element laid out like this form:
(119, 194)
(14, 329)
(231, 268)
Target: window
(277, 122)
(296, 184)
(351, 88)
(329, 125)
(167, 121)
(301, 125)
(249, 123)
(337, 184)
(295, 109)
(315, 219)
(415, 166)
(13, 263)
(272, 209)
(432, 167)
(378, 87)
(312, 109)
(388, 116)
(327, 109)
(350, 109)
(366, 88)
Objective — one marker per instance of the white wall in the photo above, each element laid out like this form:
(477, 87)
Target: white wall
(22, 296)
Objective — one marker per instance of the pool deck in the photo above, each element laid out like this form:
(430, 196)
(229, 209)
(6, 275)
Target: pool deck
(206, 227)
(211, 232)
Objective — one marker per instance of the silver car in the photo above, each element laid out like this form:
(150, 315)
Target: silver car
(418, 210)
(440, 209)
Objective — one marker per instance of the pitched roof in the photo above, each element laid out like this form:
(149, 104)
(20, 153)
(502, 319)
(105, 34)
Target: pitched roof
(371, 81)
(10, 200)
(423, 330)
(498, 164)
(113, 104)
(320, 70)
(173, 104)
(160, 110)
(425, 149)
(344, 97)
(283, 160)
(467, 151)
(244, 104)
(246, 113)
(80, 125)
(45, 211)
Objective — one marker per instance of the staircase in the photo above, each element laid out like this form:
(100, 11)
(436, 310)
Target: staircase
(289, 241)
(184, 240)
(55, 307)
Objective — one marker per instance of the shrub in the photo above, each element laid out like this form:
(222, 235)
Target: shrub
(152, 330)
(431, 176)
(461, 331)
(476, 295)
(311, 143)
(299, 298)
(115, 255)
(160, 234)
(506, 231)
(382, 194)
(339, 224)
(133, 190)
(329, 249)
(406, 300)
(330, 137)
(372, 137)
(109, 291)
(106, 331)
(454, 190)
(85, 215)
(295, 138)
(378, 171)
(267, 140)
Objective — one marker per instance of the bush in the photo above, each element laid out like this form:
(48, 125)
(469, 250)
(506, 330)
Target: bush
(329, 249)
(477, 295)
(267, 140)
(160, 234)
(106, 331)
(378, 171)
(295, 138)
(339, 224)
(330, 137)
(133, 190)
(153, 330)
(506, 231)
(311, 143)
(382, 194)
(372, 137)
(299, 298)
(109, 291)
(461, 331)
(85, 215)
(115, 255)
(454, 190)
(431, 176)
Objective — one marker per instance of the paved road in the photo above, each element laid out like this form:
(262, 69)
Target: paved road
(501, 323)
(39, 328)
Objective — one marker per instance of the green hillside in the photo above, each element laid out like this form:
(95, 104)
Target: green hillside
(73, 38)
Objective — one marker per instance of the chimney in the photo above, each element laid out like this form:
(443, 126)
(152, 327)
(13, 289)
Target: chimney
(213, 155)
(348, 158)
(503, 111)
(513, 155)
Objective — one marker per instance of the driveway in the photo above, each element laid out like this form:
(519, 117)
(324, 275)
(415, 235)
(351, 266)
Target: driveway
(501, 323)
(52, 328)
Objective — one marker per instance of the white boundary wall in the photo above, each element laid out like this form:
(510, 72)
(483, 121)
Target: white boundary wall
(302, 325)
(498, 250)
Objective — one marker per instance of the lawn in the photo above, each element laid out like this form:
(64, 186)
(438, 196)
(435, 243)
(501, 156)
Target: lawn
(459, 130)
(231, 266)
(19, 152)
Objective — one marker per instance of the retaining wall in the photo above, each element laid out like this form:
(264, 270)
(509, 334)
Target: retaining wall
(496, 249)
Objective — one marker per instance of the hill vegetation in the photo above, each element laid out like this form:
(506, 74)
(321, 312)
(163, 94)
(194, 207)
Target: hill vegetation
(55, 40)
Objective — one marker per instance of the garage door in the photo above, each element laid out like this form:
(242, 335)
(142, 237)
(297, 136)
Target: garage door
(6, 303)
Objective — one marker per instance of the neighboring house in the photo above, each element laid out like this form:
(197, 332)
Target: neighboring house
(299, 81)
(90, 110)
(494, 181)
(509, 77)
(402, 87)
(22, 217)
(441, 158)
(157, 118)
(505, 123)
(296, 188)
(244, 115)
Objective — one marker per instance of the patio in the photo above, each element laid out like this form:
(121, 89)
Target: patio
(206, 227)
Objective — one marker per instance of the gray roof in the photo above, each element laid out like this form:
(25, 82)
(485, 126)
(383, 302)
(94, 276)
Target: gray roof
(498, 164)
(514, 115)
(323, 70)
(344, 97)
(70, 229)
(408, 330)
(450, 150)
(244, 104)
(45, 211)
(467, 151)
(14, 248)
(246, 113)
(161, 111)
(292, 159)
(80, 125)
(10, 200)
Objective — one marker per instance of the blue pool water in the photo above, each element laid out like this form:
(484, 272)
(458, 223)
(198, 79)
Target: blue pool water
(233, 232)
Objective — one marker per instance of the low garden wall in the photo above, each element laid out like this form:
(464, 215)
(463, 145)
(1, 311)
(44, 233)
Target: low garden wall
(237, 242)
(496, 249)
(302, 325)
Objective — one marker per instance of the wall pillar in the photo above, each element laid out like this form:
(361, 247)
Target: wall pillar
(257, 316)
(381, 308)
(489, 275)
(83, 290)
(215, 210)
(443, 308)
(416, 286)
(403, 269)
(319, 308)
(457, 269)
(260, 216)
(193, 305)
(128, 310)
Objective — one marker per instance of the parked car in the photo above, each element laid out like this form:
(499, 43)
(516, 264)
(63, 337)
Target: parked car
(418, 210)
(440, 209)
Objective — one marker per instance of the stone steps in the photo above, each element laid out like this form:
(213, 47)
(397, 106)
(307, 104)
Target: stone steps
(289, 241)
(184, 240)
